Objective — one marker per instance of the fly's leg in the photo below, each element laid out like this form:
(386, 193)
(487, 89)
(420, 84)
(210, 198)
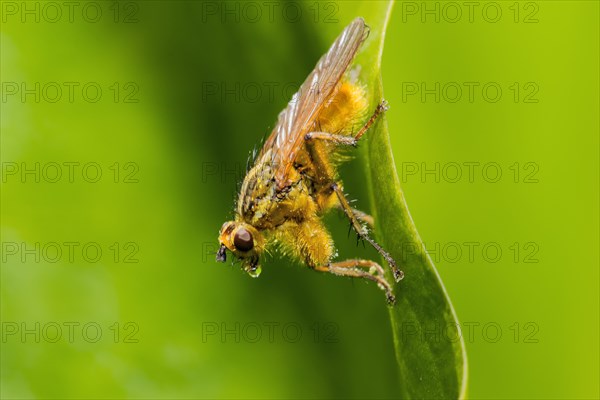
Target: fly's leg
(349, 140)
(353, 268)
(332, 137)
(362, 232)
(353, 215)
(361, 215)
(381, 107)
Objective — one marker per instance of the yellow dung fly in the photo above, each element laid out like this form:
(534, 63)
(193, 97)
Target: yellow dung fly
(294, 181)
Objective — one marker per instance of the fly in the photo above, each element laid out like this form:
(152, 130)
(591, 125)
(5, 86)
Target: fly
(294, 180)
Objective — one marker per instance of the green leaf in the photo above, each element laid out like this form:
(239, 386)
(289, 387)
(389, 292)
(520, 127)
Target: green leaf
(431, 364)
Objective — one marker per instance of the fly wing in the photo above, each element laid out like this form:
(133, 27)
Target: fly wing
(298, 118)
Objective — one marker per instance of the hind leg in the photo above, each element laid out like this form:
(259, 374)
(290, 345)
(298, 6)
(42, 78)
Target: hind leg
(363, 234)
(361, 269)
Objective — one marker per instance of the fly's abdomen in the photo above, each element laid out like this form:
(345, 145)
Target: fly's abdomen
(346, 110)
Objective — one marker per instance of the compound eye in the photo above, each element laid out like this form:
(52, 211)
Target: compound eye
(243, 240)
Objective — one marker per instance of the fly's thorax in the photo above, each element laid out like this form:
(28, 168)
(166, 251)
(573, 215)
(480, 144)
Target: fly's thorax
(257, 192)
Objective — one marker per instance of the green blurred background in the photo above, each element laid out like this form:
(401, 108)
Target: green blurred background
(187, 89)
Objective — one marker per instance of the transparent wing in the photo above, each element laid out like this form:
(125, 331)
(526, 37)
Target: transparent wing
(299, 116)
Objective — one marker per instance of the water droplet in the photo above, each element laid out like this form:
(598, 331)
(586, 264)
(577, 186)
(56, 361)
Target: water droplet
(255, 273)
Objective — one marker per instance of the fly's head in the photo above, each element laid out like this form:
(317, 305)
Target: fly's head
(245, 242)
